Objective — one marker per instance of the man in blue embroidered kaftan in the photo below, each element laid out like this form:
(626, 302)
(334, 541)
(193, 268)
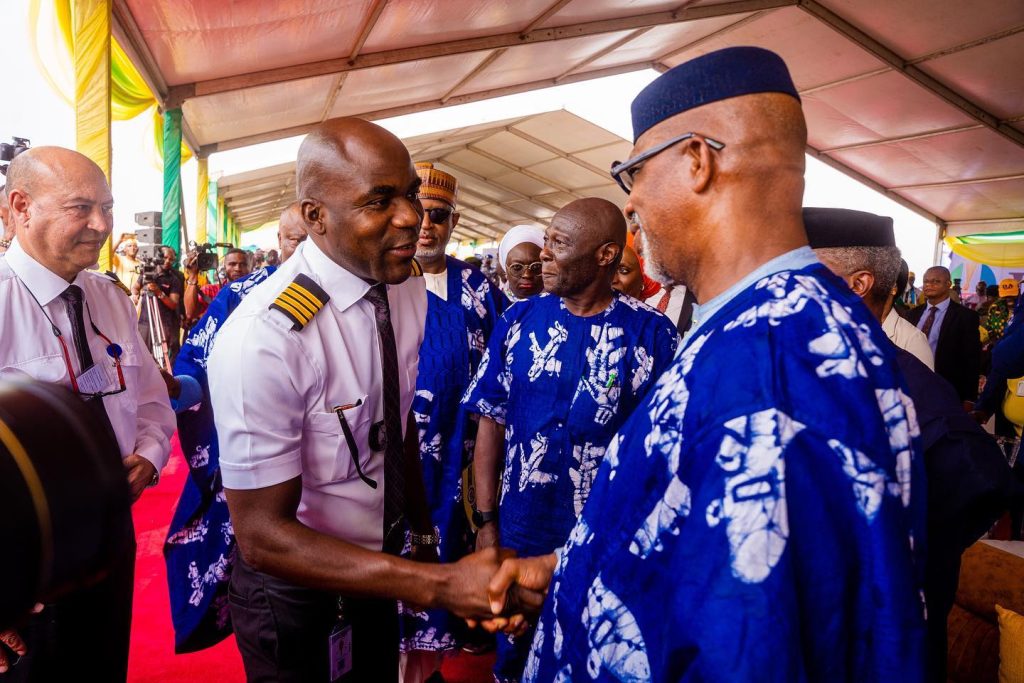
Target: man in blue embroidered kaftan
(199, 550)
(761, 516)
(562, 373)
(462, 309)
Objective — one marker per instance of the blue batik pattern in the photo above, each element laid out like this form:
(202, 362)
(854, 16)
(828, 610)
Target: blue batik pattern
(200, 546)
(760, 517)
(562, 385)
(457, 330)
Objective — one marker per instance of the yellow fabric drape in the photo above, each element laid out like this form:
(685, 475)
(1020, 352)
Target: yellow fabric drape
(997, 254)
(202, 193)
(91, 23)
(52, 25)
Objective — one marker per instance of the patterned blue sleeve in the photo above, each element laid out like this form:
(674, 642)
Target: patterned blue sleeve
(487, 393)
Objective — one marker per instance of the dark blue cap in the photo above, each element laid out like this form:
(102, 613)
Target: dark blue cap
(843, 228)
(709, 78)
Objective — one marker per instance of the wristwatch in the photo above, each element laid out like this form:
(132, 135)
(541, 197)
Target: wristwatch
(481, 518)
(424, 539)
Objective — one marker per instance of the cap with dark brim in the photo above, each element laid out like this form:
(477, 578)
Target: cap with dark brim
(716, 76)
(839, 228)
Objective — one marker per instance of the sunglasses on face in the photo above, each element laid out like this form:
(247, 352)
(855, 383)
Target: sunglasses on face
(438, 216)
(518, 269)
(622, 171)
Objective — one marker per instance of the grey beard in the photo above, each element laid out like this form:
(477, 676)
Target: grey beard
(431, 253)
(652, 268)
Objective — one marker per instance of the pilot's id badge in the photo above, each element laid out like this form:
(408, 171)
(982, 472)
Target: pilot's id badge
(1020, 387)
(341, 651)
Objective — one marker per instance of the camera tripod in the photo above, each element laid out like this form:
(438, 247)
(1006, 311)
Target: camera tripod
(157, 340)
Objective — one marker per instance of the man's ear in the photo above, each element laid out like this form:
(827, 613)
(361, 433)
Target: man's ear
(312, 215)
(455, 218)
(700, 162)
(19, 203)
(608, 254)
(861, 282)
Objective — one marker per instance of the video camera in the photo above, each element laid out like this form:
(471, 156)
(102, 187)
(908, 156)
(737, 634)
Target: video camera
(9, 151)
(206, 255)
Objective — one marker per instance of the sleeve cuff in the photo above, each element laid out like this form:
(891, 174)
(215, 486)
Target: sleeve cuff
(263, 474)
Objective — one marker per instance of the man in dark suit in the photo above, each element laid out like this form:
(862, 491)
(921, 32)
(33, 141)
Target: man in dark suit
(952, 331)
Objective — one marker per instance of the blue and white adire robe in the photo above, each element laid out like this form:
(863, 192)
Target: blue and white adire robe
(761, 516)
(457, 330)
(562, 385)
(200, 546)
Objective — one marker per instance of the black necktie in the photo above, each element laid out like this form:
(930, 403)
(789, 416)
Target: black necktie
(394, 475)
(929, 320)
(72, 298)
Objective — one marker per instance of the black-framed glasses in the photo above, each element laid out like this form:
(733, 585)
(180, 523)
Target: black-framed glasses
(518, 269)
(622, 171)
(439, 215)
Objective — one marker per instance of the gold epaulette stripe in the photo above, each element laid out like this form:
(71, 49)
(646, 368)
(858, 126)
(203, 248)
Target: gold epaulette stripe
(299, 303)
(297, 316)
(304, 294)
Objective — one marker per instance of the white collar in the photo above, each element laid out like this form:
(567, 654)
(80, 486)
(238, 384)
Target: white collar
(341, 285)
(42, 283)
(942, 305)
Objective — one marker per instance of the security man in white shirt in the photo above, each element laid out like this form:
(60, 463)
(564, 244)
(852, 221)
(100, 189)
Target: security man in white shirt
(312, 380)
(60, 323)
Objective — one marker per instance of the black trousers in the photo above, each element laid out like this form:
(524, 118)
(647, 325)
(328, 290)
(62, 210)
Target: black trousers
(84, 636)
(283, 631)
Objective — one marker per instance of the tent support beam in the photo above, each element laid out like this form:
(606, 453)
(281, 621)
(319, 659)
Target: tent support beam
(903, 138)
(554, 150)
(293, 131)
(888, 56)
(860, 177)
(957, 183)
(180, 93)
(469, 174)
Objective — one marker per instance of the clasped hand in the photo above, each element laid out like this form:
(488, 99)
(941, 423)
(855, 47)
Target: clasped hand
(515, 592)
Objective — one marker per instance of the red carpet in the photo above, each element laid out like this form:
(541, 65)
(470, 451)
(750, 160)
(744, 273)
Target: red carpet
(152, 657)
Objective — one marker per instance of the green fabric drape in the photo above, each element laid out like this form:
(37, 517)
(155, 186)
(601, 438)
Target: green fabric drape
(172, 179)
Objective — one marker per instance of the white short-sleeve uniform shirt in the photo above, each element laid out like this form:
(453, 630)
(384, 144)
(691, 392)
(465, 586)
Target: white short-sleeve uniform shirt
(273, 390)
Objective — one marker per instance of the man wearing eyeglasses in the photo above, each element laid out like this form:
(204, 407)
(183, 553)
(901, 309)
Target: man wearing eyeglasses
(563, 371)
(462, 309)
(761, 517)
(61, 323)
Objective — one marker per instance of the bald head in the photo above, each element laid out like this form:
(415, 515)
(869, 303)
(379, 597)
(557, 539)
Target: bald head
(61, 206)
(596, 221)
(358, 198)
(582, 248)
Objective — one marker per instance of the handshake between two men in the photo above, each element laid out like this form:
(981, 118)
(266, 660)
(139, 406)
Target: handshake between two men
(515, 592)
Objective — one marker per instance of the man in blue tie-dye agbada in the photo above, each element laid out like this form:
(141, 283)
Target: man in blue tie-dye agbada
(760, 517)
(562, 372)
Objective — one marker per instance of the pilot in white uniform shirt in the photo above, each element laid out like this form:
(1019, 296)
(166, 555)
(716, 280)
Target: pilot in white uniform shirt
(275, 381)
(141, 415)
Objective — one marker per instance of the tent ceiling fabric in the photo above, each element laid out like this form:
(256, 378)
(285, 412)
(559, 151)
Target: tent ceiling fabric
(510, 172)
(922, 99)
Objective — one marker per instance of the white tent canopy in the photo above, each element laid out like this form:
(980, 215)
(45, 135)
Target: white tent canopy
(920, 99)
(510, 172)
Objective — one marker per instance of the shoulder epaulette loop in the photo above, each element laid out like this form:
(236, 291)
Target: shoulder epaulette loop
(417, 269)
(117, 281)
(300, 301)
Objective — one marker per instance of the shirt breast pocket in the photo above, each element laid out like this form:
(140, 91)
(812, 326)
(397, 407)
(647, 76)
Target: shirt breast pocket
(330, 457)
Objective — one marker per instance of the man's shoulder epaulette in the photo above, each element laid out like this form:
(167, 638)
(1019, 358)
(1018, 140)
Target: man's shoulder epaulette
(417, 269)
(117, 281)
(300, 301)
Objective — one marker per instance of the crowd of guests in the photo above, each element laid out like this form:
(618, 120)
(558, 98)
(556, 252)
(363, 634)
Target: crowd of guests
(712, 435)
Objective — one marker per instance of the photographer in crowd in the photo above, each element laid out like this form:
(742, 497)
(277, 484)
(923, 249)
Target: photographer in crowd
(198, 297)
(166, 285)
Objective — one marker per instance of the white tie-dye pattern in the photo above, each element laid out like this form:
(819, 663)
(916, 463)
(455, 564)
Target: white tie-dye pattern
(869, 480)
(642, 371)
(616, 643)
(602, 358)
(666, 518)
(531, 474)
(473, 299)
(588, 458)
(901, 424)
(754, 502)
(544, 360)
